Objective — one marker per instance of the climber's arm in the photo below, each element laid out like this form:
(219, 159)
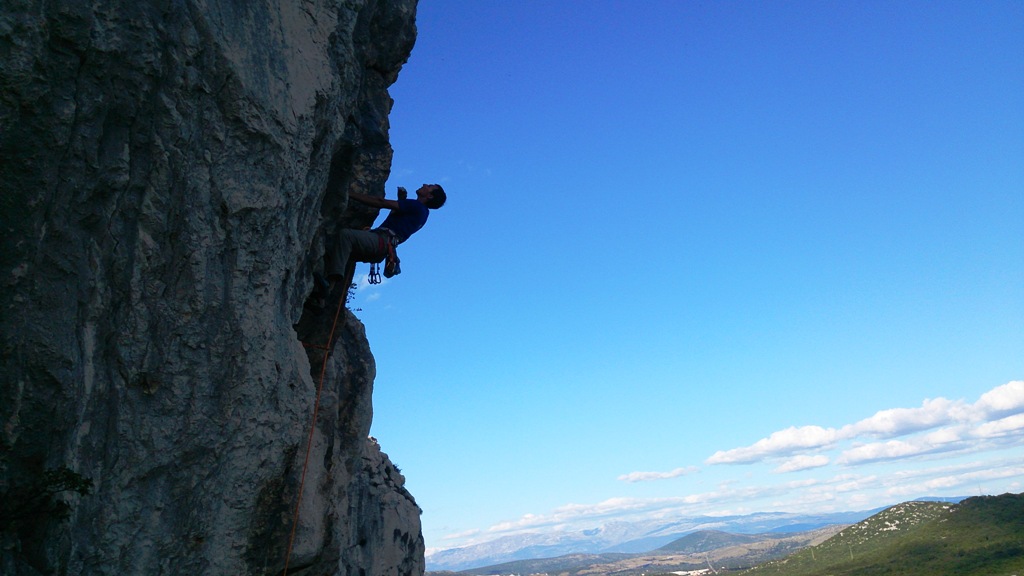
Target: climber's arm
(373, 201)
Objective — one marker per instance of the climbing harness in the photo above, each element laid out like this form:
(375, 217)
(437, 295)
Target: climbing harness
(312, 428)
(388, 243)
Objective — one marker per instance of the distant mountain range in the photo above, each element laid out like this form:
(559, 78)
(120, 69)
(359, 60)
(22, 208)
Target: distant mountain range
(628, 537)
(981, 536)
(696, 552)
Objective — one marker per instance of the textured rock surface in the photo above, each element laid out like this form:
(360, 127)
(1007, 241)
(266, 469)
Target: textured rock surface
(168, 170)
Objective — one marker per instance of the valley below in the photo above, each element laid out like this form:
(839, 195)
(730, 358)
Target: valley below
(979, 536)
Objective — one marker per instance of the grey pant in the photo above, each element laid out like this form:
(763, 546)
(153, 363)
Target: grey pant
(361, 245)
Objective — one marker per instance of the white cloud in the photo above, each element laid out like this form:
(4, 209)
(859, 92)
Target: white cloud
(902, 421)
(461, 535)
(525, 522)
(610, 506)
(802, 462)
(846, 483)
(783, 442)
(938, 425)
(1004, 400)
(648, 476)
(947, 435)
(1009, 426)
(968, 480)
(877, 451)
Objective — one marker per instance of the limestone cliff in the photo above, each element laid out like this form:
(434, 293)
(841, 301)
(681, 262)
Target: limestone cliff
(168, 170)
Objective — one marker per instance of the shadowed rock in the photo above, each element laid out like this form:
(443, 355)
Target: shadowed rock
(168, 171)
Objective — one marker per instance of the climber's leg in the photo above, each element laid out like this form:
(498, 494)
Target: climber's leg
(359, 245)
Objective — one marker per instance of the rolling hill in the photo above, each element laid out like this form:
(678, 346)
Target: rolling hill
(981, 536)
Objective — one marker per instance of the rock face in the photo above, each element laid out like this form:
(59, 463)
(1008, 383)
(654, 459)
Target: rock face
(168, 171)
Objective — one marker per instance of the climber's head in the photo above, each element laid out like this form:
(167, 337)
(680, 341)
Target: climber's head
(432, 195)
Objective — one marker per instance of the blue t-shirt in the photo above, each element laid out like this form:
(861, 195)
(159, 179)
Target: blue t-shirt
(410, 217)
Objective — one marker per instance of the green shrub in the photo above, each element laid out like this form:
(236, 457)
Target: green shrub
(39, 498)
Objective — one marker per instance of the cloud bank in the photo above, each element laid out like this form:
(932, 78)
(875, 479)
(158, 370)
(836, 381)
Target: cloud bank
(839, 492)
(941, 428)
(951, 426)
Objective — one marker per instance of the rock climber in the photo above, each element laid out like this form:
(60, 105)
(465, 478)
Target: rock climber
(405, 218)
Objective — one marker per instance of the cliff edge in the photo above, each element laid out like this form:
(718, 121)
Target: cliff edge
(168, 171)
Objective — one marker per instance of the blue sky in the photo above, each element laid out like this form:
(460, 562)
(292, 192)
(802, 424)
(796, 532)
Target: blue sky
(704, 257)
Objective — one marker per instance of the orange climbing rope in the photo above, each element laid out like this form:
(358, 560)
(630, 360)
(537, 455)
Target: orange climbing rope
(312, 429)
